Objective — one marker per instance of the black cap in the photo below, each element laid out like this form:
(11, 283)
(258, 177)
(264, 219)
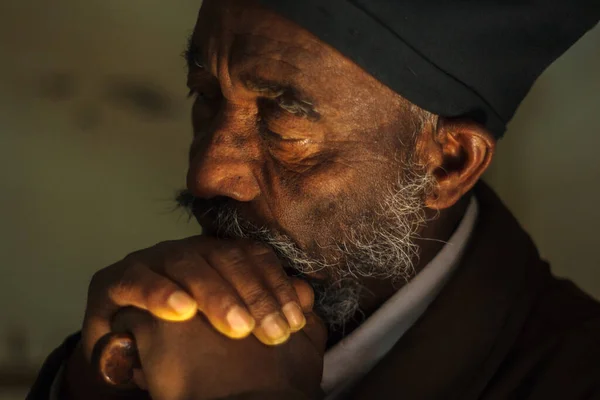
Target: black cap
(474, 58)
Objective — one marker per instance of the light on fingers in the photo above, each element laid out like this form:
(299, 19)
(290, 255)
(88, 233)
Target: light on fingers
(294, 315)
(240, 322)
(273, 330)
(182, 305)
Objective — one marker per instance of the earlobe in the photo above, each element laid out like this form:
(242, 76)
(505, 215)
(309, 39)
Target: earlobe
(463, 151)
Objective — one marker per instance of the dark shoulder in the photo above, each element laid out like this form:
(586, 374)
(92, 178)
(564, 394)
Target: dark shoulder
(557, 353)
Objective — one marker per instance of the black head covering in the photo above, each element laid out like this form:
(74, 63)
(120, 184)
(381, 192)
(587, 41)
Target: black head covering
(475, 58)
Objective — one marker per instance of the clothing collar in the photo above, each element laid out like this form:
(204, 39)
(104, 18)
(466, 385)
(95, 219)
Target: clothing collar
(356, 354)
(467, 331)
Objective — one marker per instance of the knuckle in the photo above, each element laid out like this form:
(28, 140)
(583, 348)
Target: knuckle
(120, 287)
(219, 300)
(98, 278)
(282, 286)
(258, 298)
(156, 293)
(232, 255)
(135, 256)
(165, 244)
(131, 257)
(266, 258)
(118, 292)
(104, 278)
(178, 258)
(161, 251)
(180, 269)
(259, 249)
(132, 273)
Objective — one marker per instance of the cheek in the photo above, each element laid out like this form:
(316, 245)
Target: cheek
(318, 208)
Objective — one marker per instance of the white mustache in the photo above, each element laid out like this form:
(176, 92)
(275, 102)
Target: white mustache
(382, 248)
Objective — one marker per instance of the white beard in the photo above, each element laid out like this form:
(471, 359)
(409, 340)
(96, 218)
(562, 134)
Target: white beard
(382, 248)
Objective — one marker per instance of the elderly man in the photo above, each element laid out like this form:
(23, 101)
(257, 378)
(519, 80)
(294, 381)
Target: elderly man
(348, 248)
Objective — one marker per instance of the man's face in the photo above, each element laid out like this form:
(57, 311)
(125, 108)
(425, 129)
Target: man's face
(296, 146)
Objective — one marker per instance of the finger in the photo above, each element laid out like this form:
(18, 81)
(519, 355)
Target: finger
(268, 265)
(131, 285)
(305, 293)
(121, 361)
(115, 357)
(215, 297)
(139, 324)
(145, 289)
(236, 267)
(136, 322)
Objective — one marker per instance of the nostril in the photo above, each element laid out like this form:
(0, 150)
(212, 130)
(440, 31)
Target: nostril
(208, 179)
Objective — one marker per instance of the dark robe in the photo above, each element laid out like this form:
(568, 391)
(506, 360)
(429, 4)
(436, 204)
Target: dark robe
(502, 328)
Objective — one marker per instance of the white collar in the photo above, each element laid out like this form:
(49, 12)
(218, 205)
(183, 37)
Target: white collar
(355, 355)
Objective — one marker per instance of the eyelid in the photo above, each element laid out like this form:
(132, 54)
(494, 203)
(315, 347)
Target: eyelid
(266, 131)
(294, 126)
(284, 139)
(298, 108)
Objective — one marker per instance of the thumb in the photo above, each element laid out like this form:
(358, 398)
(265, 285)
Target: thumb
(305, 293)
(116, 354)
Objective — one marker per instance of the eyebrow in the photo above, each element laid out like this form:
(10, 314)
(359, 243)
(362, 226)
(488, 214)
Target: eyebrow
(287, 97)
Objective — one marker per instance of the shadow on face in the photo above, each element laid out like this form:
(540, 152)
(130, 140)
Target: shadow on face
(297, 147)
(298, 137)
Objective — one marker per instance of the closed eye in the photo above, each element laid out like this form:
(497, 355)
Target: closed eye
(269, 134)
(297, 108)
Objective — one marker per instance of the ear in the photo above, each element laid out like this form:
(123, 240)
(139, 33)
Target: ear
(456, 152)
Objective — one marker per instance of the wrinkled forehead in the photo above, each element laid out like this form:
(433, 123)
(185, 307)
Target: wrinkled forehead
(238, 38)
(241, 30)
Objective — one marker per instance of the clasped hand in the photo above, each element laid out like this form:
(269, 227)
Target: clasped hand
(186, 300)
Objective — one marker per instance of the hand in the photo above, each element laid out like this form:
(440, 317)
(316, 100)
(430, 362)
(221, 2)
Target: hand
(190, 360)
(240, 286)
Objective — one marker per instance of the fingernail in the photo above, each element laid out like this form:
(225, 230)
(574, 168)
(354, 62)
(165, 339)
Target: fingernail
(275, 329)
(240, 322)
(294, 315)
(181, 303)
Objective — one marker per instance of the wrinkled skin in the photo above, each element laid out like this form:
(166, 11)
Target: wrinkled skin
(313, 174)
(299, 140)
(306, 177)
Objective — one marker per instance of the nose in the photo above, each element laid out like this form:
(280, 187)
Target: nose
(223, 164)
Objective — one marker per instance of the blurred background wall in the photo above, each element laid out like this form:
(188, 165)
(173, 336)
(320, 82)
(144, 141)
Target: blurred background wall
(94, 129)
